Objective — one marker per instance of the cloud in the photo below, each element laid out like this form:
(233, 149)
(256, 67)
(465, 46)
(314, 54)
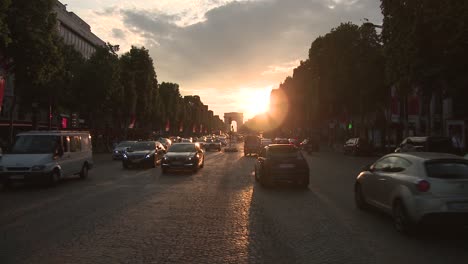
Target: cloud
(118, 33)
(216, 47)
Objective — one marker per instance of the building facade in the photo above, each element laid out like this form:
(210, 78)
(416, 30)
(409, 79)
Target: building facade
(76, 32)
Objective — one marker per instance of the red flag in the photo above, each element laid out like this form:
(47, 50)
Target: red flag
(168, 126)
(2, 90)
(132, 121)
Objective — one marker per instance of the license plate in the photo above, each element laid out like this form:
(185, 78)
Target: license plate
(177, 163)
(458, 206)
(17, 177)
(287, 166)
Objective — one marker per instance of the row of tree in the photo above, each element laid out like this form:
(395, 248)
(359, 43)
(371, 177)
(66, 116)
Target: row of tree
(107, 90)
(349, 72)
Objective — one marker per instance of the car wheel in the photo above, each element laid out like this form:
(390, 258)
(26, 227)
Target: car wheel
(54, 178)
(359, 198)
(262, 179)
(155, 162)
(256, 175)
(401, 220)
(84, 171)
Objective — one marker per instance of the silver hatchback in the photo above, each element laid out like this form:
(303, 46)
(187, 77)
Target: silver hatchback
(415, 187)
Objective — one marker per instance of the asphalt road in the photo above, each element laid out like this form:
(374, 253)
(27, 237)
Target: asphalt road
(218, 215)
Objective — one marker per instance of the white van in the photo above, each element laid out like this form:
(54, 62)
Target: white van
(47, 156)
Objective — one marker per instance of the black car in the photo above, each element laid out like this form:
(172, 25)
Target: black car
(357, 146)
(213, 144)
(279, 163)
(310, 145)
(427, 144)
(252, 145)
(183, 156)
(146, 153)
(120, 149)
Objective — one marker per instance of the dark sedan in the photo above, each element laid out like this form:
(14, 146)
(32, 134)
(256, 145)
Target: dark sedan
(213, 144)
(146, 153)
(121, 148)
(279, 163)
(183, 156)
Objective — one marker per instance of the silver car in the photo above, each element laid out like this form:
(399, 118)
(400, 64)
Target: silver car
(416, 187)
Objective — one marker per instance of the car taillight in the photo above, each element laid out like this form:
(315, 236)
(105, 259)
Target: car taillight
(423, 186)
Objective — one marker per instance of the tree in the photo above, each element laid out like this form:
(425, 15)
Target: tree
(33, 50)
(140, 85)
(98, 87)
(4, 31)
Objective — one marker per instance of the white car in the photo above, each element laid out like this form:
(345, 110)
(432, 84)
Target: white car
(47, 156)
(416, 187)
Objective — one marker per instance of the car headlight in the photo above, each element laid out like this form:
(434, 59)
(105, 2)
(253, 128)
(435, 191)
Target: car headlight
(116, 151)
(190, 158)
(147, 156)
(38, 167)
(125, 156)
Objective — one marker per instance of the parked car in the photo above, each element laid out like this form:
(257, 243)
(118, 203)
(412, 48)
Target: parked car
(120, 149)
(416, 187)
(309, 145)
(213, 144)
(143, 153)
(427, 144)
(183, 156)
(47, 156)
(281, 163)
(252, 145)
(357, 146)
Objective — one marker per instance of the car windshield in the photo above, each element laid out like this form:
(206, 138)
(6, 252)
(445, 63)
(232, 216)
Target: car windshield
(182, 148)
(142, 146)
(35, 144)
(283, 152)
(447, 169)
(125, 144)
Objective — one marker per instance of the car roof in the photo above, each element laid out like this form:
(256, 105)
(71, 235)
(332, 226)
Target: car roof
(424, 156)
(272, 146)
(426, 138)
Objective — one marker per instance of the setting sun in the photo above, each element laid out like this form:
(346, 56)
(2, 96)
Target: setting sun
(257, 101)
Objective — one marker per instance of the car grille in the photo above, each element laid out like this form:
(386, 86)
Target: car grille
(18, 168)
(134, 157)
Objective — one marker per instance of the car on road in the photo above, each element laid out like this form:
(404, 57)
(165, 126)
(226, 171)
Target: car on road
(357, 146)
(166, 142)
(309, 145)
(47, 156)
(281, 141)
(120, 149)
(282, 163)
(252, 145)
(415, 188)
(213, 144)
(266, 141)
(427, 144)
(183, 156)
(143, 153)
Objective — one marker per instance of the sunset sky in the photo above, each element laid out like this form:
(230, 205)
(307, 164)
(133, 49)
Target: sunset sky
(231, 53)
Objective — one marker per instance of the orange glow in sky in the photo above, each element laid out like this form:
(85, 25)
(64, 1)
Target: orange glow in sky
(254, 101)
